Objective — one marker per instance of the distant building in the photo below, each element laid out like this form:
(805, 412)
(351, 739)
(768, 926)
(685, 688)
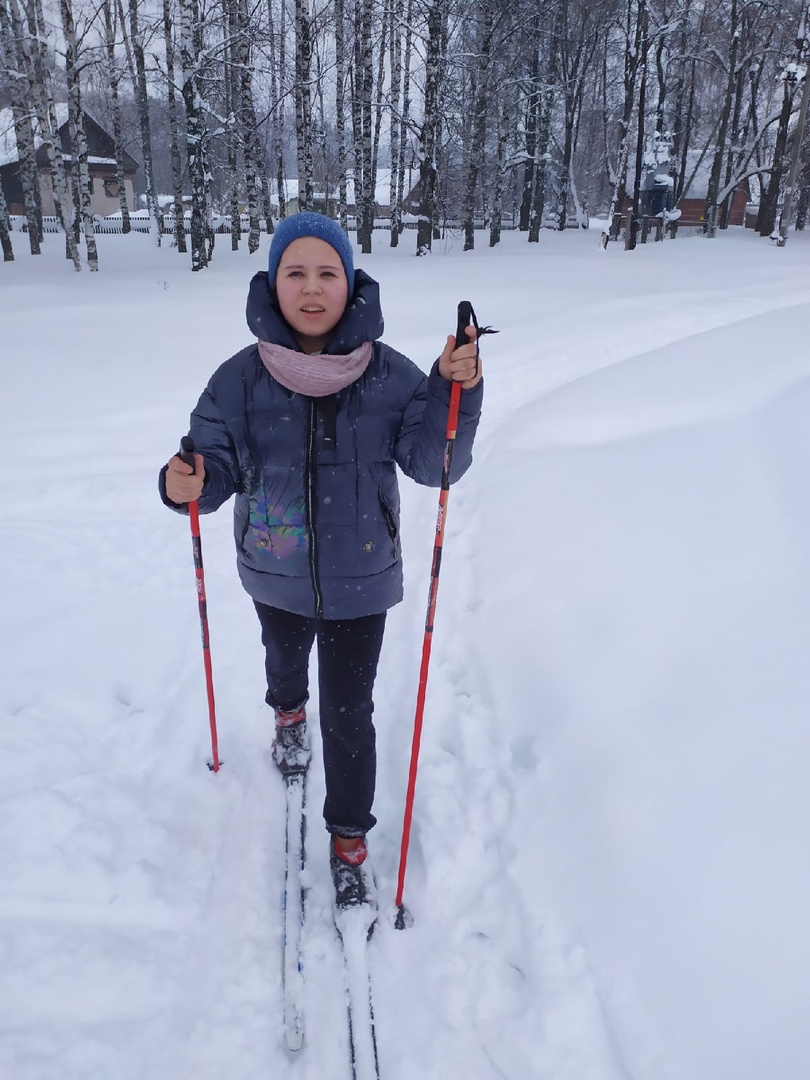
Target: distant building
(326, 198)
(658, 190)
(101, 164)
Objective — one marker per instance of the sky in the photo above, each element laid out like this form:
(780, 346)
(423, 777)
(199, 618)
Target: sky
(608, 870)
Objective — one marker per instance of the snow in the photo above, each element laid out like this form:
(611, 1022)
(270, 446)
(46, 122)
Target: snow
(608, 870)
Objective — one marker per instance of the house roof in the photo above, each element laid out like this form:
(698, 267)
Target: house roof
(9, 153)
(382, 189)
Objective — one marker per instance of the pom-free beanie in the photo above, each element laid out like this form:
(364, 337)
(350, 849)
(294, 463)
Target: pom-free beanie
(307, 223)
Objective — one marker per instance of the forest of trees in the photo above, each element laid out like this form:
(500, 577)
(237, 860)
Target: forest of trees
(484, 114)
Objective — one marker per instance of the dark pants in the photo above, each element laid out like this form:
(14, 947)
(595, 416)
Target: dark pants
(348, 652)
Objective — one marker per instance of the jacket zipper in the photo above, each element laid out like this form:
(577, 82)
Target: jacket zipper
(310, 497)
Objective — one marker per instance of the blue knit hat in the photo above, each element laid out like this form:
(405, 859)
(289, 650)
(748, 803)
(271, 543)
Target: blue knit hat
(307, 223)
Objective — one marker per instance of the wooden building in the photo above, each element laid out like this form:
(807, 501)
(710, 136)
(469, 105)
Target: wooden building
(101, 163)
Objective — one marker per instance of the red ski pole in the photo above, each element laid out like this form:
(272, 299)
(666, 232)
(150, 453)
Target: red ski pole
(186, 454)
(466, 316)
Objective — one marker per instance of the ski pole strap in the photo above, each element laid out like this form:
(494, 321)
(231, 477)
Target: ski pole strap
(466, 316)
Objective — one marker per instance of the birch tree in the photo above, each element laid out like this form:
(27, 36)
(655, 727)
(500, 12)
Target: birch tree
(303, 104)
(277, 37)
(533, 93)
(766, 221)
(479, 94)
(340, 111)
(174, 129)
(575, 43)
(114, 81)
(504, 133)
(395, 17)
(364, 178)
(632, 33)
(5, 229)
(32, 48)
(196, 135)
(437, 13)
(142, 103)
(245, 113)
(634, 217)
(18, 79)
(78, 138)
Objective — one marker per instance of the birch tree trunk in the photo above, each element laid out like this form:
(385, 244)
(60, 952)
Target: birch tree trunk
(142, 103)
(277, 37)
(243, 86)
(766, 220)
(397, 224)
(500, 173)
(78, 139)
(479, 94)
(303, 104)
(541, 171)
(428, 134)
(196, 139)
(636, 10)
(531, 124)
(44, 107)
(574, 46)
(634, 223)
(174, 130)
(378, 95)
(232, 136)
(340, 112)
(395, 98)
(19, 82)
(364, 78)
(710, 227)
(684, 106)
(5, 229)
(114, 78)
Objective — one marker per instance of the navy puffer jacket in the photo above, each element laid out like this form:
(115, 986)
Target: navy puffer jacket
(316, 515)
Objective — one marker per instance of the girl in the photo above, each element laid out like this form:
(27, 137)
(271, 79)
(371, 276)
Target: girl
(306, 428)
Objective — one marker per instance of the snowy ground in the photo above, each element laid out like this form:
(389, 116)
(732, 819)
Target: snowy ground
(609, 867)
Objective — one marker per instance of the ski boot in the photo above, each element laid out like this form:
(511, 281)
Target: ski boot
(291, 750)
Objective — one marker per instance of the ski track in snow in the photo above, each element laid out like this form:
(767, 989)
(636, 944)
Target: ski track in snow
(140, 909)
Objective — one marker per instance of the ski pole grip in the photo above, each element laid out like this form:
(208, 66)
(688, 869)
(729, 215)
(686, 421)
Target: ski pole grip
(464, 319)
(186, 451)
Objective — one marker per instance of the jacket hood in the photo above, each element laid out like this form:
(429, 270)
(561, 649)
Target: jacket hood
(361, 321)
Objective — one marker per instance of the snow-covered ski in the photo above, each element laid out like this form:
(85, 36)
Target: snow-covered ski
(293, 975)
(354, 925)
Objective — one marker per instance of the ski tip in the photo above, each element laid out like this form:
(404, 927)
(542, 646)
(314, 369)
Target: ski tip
(404, 918)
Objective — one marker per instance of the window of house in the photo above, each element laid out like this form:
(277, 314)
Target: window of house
(111, 188)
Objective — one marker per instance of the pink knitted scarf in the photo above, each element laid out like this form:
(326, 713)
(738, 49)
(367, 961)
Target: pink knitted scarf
(314, 374)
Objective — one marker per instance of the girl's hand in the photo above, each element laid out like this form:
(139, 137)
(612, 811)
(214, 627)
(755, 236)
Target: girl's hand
(183, 485)
(461, 364)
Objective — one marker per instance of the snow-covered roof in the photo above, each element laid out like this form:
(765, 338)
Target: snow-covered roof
(8, 137)
(382, 189)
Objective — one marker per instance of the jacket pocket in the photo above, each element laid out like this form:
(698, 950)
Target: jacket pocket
(389, 506)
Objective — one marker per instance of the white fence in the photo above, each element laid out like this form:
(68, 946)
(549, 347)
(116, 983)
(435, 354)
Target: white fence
(138, 222)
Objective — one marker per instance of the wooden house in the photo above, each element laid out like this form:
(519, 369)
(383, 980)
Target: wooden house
(101, 163)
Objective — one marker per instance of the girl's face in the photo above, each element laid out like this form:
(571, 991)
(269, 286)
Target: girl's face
(312, 291)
